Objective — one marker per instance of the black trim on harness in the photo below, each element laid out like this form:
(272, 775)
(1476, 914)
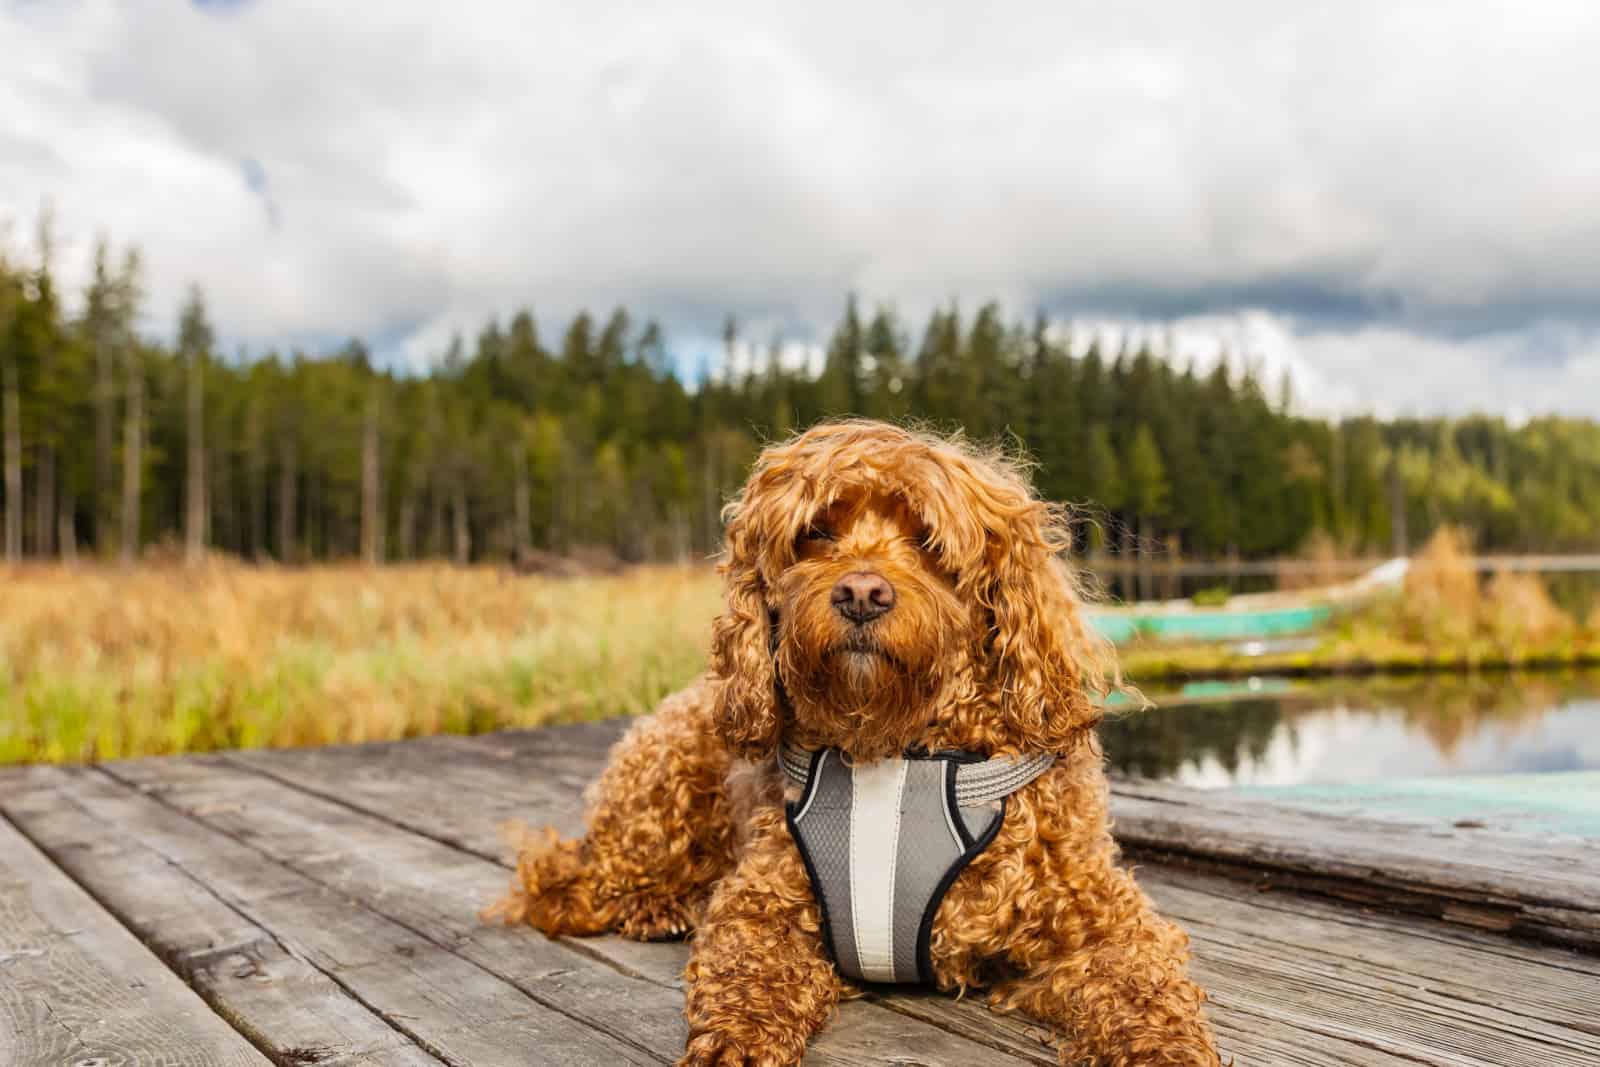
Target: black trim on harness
(974, 848)
(812, 778)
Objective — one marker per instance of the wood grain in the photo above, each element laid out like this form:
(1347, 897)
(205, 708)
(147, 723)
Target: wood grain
(77, 989)
(98, 832)
(1544, 888)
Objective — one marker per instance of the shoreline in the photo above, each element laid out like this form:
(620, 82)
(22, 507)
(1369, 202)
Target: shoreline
(1151, 668)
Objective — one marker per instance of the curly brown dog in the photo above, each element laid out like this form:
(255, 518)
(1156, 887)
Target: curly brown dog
(888, 592)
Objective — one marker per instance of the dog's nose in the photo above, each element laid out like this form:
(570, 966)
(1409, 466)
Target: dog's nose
(862, 596)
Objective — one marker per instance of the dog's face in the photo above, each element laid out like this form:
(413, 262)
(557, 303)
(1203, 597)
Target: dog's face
(869, 625)
(885, 588)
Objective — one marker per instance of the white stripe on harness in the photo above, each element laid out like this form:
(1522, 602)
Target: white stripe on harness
(874, 843)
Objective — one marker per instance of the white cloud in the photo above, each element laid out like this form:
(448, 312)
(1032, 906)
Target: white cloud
(430, 167)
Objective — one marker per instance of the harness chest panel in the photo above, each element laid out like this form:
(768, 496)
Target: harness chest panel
(884, 841)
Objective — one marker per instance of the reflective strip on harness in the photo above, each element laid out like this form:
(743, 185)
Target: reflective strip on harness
(883, 842)
(977, 782)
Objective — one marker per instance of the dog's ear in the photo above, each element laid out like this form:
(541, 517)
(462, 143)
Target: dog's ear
(1047, 662)
(1048, 669)
(746, 708)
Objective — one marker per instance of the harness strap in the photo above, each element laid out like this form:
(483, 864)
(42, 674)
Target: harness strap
(882, 843)
(976, 783)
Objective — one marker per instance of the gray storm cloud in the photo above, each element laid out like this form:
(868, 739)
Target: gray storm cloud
(1381, 182)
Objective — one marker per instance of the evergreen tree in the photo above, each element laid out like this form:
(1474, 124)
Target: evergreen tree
(840, 386)
(121, 441)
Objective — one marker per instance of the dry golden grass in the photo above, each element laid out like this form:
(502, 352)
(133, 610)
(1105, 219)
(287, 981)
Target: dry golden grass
(1444, 605)
(1322, 555)
(1441, 597)
(100, 664)
(1443, 619)
(1517, 612)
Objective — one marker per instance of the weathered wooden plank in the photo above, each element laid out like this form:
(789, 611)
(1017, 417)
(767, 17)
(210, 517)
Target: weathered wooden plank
(504, 785)
(457, 1011)
(433, 890)
(1557, 989)
(501, 783)
(1544, 888)
(537, 776)
(76, 988)
(1252, 1023)
(1334, 990)
(1295, 980)
(90, 826)
(1471, 877)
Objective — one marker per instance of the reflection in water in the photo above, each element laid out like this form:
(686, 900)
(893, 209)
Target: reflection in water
(1366, 730)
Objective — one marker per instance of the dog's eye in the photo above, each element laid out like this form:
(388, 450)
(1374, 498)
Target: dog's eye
(817, 533)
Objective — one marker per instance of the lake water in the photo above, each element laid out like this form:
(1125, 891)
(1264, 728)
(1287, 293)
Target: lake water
(1513, 751)
(1274, 732)
(1284, 733)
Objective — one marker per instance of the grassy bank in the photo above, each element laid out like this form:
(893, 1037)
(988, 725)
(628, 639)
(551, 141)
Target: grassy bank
(99, 664)
(1443, 618)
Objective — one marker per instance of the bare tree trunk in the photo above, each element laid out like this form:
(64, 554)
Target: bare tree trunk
(522, 503)
(255, 481)
(463, 532)
(371, 487)
(436, 531)
(66, 532)
(679, 525)
(104, 435)
(286, 501)
(408, 526)
(1397, 510)
(1125, 551)
(1146, 545)
(44, 504)
(194, 540)
(222, 510)
(132, 458)
(712, 516)
(13, 439)
(1174, 584)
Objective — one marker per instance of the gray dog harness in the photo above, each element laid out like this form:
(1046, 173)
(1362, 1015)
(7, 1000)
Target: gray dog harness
(883, 842)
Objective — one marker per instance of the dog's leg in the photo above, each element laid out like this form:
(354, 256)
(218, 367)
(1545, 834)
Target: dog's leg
(1110, 976)
(760, 982)
(660, 834)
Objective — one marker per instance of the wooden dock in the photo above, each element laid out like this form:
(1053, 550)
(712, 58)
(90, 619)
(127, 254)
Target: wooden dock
(319, 906)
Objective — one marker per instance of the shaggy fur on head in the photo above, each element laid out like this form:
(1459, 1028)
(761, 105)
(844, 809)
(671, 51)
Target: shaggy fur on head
(984, 650)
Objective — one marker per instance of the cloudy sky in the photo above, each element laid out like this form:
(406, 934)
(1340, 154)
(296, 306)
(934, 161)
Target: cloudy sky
(1400, 202)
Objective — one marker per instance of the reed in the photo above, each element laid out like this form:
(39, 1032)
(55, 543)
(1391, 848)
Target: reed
(101, 664)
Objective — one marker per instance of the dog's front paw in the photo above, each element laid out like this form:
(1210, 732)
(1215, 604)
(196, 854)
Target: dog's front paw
(714, 1049)
(658, 919)
(553, 890)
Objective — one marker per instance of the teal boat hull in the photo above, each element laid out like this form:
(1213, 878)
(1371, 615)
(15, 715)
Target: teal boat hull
(1208, 625)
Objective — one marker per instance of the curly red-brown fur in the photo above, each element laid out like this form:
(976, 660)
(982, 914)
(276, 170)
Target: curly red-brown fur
(984, 650)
